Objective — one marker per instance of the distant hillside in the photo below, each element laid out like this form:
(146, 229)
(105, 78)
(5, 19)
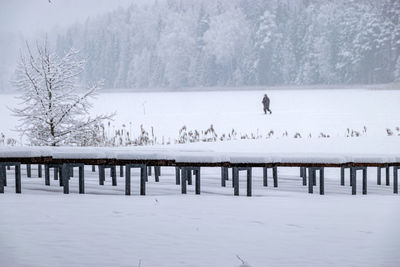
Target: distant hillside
(200, 43)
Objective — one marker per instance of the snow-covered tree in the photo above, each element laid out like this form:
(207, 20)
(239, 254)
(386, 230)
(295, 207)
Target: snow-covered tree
(52, 111)
(179, 43)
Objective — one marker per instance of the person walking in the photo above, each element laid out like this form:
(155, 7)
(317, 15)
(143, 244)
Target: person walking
(266, 102)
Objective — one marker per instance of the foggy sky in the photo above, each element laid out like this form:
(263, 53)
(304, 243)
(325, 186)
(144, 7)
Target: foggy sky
(32, 16)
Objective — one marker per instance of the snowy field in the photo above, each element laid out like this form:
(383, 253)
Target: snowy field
(282, 226)
(303, 111)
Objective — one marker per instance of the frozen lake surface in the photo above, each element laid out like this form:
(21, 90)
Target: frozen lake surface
(307, 112)
(282, 226)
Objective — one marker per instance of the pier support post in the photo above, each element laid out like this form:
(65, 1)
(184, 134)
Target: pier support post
(189, 177)
(157, 173)
(265, 176)
(379, 175)
(102, 175)
(2, 178)
(143, 179)
(177, 176)
(235, 180)
(81, 179)
(249, 182)
(55, 174)
(40, 170)
(304, 175)
(4, 175)
(46, 174)
(342, 176)
(223, 176)
(183, 180)
(364, 181)
(127, 180)
(114, 175)
(28, 170)
(17, 178)
(197, 184)
(395, 179)
(387, 176)
(321, 181)
(353, 180)
(65, 170)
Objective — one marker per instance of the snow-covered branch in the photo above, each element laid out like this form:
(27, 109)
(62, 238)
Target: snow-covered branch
(53, 110)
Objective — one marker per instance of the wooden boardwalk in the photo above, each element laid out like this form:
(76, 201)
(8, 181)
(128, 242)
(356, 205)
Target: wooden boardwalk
(186, 171)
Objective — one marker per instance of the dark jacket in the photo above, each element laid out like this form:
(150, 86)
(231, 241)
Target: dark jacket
(265, 101)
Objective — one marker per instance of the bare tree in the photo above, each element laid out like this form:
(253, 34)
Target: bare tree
(52, 111)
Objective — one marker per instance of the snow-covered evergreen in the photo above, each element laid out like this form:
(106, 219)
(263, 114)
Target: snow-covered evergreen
(240, 42)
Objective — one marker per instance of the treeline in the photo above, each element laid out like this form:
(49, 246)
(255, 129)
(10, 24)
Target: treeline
(176, 43)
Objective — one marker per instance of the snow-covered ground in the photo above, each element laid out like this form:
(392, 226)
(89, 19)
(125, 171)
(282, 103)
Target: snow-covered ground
(282, 226)
(303, 111)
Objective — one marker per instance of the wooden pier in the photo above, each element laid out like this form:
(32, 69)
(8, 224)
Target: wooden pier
(62, 167)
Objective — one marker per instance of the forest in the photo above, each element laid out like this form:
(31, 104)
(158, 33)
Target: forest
(191, 43)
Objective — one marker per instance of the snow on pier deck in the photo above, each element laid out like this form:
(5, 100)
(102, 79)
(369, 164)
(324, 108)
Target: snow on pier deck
(312, 156)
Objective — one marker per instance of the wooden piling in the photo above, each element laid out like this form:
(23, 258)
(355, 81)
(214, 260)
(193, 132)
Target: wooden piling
(143, 177)
(189, 176)
(379, 175)
(177, 176)
(235, 181)
(387, 176)
(65, 177)
(2, 178)
(223, 179)
(275, 176)
(127, 180)
(157, 173)
(102, 175)
(40, 170)
(82, 179)
(304, 175)
(197, 181)
(265, 176)
(55, 173)
(47, 175)
(249, 182)
(353, 180)
(321, 181)
(364, 181)
(5, 176)
(28, 170)
(395, 179)
(114, 175)
(314, 177)
(183, 180)
(342, 176)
